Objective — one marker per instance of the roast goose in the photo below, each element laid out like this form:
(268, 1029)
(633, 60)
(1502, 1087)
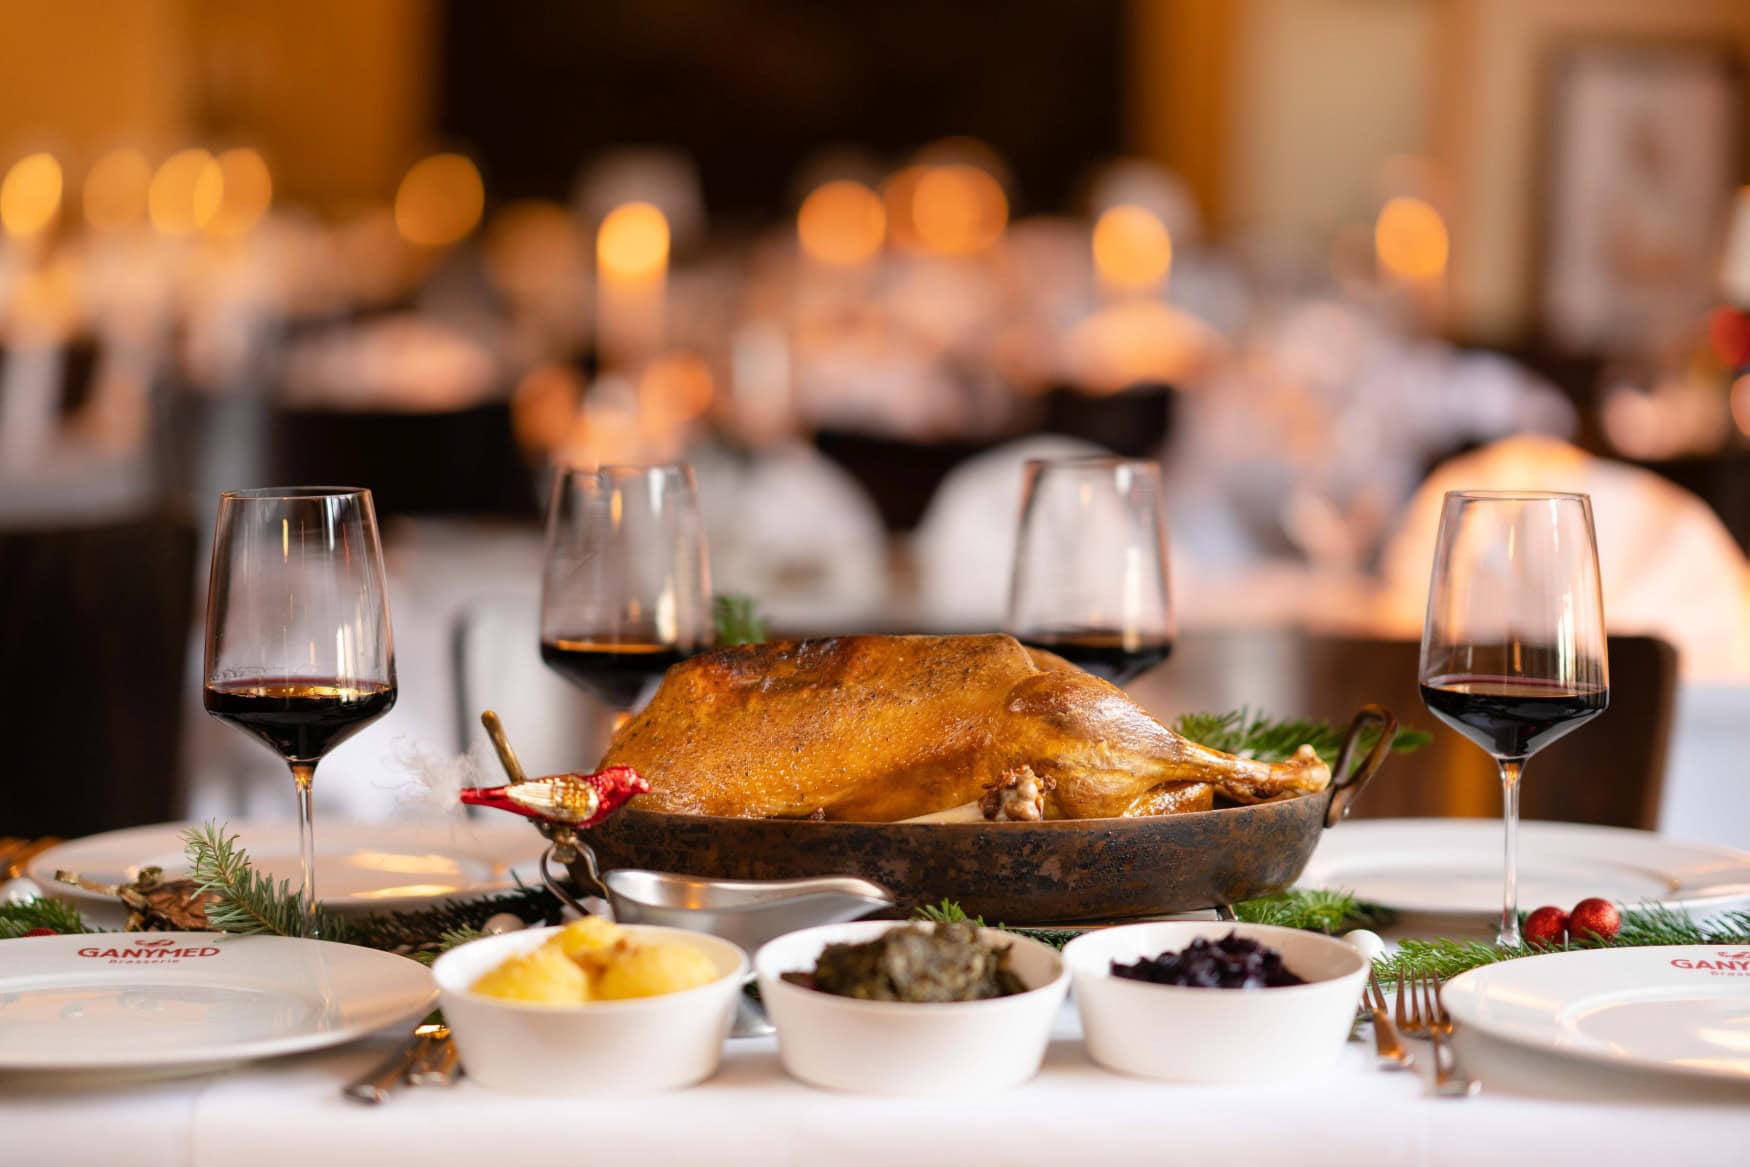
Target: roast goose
(891, 728)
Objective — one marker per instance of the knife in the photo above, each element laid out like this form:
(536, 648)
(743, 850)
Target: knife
(376, 1084)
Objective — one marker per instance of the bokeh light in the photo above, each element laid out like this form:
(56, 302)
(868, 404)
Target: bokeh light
(841, 223)
(1132, 249)
(114, 194)
(675, 389)
(246, 192)
(439, 201)
(633, 242)
(1741, 403)
(958, 210)
(1410, 239)
(30, 195)
(186, 192)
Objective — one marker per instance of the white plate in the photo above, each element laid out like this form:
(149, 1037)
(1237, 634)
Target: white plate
(189, 1001)
(1454, 866)
(1682, 1010)
(359, 866)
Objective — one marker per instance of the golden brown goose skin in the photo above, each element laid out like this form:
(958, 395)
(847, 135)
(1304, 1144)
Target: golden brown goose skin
(882, 728)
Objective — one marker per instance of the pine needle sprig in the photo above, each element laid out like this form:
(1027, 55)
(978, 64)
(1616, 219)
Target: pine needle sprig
(1312, 910)
(18, 918)
(1651, 925)
(737, 620)
(246, 902)
(1247, 734)
(427, 932)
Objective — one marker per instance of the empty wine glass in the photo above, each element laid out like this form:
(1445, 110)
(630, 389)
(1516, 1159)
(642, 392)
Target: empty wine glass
(299, 652)
(1090, 573)
(1513, 649)
(626, 591)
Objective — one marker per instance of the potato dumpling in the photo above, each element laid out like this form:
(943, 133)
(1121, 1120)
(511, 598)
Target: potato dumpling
(652, 970)
(545, 976)
(590, 934)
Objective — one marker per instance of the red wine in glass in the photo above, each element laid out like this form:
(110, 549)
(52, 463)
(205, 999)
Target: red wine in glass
(301, 720)
(1111, 655)
(1089, 578)
(299, 654)
(1512, 717)
(614, 670)
(1514, 653)
(626, 587)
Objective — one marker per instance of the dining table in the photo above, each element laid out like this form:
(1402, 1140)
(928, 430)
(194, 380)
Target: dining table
(1532, 1107)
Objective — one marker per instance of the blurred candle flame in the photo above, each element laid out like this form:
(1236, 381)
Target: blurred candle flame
(1132, 249)
(841, 223)
(185, 192)
(633, 242)
(246, 192)
(30, 195)
(1410, 239)
(958, 209)
(114, 195)
(439, 201)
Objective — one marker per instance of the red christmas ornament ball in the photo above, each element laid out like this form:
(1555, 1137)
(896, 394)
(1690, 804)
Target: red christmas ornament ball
(1594, 917)
(42, 932)
(1547, 925)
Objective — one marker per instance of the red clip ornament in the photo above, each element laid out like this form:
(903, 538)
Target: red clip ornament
(580, 801)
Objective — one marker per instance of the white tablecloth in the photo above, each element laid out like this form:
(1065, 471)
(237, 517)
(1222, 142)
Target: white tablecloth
(290, 1112)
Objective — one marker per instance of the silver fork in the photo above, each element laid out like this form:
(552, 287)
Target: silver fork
(1428, 1018)
(1388, 1050)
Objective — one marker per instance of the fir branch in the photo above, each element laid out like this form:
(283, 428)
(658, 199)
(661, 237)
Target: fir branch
(426, 932)
(18, 918)
(451, 939)
(1650, 925)
(1312, 911)
(1252, 735)
(245, 902)
(737, 619)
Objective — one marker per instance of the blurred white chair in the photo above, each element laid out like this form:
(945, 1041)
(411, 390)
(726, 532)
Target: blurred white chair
(1669, 565)
(965, 545)
(795, 531)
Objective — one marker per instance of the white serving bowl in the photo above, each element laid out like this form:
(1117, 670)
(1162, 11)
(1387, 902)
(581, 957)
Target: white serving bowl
(946, 1049)
(1214, 1035)
(640, 1046)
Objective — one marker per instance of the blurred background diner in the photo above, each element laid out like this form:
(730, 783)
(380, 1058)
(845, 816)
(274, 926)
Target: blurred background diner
(1323, 259)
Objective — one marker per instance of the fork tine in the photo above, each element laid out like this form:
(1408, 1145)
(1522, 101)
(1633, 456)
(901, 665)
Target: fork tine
(1404, 1023)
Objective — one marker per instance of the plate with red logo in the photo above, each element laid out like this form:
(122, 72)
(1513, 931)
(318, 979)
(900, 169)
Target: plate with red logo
(1679, 1010)
(186, 1002)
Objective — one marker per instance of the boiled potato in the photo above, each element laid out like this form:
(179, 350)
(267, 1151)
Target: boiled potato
(545, 976)
(590, 934)
(652, 970)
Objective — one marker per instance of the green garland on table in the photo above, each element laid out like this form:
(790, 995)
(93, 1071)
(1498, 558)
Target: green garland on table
(246, 903)
(1311, 911)
(19, 918)
(1649, 926)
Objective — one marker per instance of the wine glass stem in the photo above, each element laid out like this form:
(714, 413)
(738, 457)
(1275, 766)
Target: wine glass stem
(1508, 936)
(304, 774)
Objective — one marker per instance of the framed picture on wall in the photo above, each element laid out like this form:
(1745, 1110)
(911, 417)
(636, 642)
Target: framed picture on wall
(1643, 150)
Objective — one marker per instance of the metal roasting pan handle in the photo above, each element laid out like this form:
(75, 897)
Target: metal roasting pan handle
(1345, 786)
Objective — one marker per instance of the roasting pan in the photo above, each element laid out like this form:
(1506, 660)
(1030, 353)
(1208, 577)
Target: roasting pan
(1063, 871)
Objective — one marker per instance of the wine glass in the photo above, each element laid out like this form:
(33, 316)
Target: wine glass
(1090, 572)
(626, 591)
(1513, 650)
(299, 651)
